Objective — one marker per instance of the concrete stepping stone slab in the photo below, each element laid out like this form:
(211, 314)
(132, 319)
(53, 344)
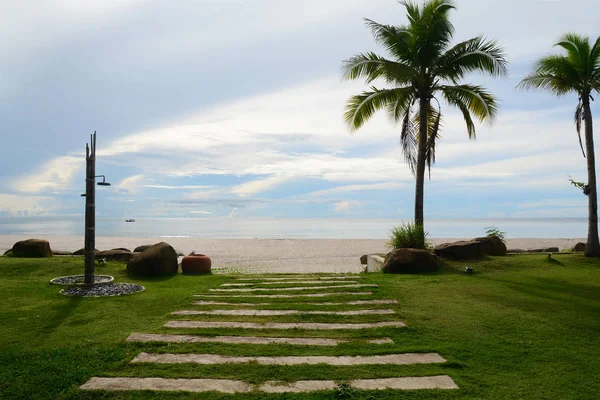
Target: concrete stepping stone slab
(282, 325)
(297, 278)
(163, 384)
(232, 386)
(145, 337)
(284, 283)
(281, 312)
(349, 303)
(286, 296)
(211, 359)
(381, 341)
(295, 288)
(401, 383)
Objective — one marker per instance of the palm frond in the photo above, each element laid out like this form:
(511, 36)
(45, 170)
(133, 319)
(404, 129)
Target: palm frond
(408, 141)
(433, 137)
(578, 119)
(430, 29)
(554, 73)
(477, 100)
(475, 54)
(370, 66)
(459, 102)
(578, 51)
(395, 39)
(362, 106)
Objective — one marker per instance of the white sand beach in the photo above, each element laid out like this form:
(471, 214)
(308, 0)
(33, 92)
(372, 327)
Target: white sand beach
(270, 255)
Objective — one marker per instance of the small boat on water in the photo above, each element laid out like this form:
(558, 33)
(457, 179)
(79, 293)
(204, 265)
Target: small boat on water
(130, 220)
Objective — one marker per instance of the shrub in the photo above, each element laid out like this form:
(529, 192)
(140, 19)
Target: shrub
(409, 236)
(493, 231)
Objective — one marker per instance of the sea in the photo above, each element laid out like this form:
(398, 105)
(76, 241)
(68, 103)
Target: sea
(297, 228)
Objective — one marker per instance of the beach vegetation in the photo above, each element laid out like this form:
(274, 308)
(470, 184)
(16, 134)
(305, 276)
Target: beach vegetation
(422, 70)
(408, 236)
(513, 330)
(494, 231)
(576, 71)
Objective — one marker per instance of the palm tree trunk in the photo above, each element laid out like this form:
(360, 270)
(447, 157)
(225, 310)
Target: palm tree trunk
(421, 150)
(592, 247)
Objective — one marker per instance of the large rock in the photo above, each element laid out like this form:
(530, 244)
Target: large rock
(463, 250)
(142, 248)
(158, 260)
(579, 247)
(545, 250)
(516, 251)
(491, 246)
(409, 261)
(32, 248)
(115, 255)
(81, 252)
(61, 253)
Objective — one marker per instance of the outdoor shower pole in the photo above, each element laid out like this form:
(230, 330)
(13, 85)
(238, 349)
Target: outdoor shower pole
(90, 210)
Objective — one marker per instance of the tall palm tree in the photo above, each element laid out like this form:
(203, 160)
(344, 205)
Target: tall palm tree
(422, 67)
(576, 72)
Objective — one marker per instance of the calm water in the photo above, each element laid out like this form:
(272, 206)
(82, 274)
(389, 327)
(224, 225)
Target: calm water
(290, 228)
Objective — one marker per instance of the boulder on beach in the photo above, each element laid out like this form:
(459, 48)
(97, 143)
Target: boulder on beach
(81, 252)
(409, 261)
(32, 248)
(579, 247)
(157, 260)
(115, 255)
(545, 250)
(61, 253)
(516, 251)
(142, 248)
(462, 250)
(491, 245)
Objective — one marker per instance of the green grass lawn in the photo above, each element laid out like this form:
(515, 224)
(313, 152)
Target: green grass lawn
(520, 327)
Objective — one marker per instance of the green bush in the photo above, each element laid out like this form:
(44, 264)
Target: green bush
(408, 236)
(494, 231)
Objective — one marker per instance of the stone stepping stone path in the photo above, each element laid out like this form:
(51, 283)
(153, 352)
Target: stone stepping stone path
(392, 359)
(282, 325)
(281, 312)
(358, 285)
(350, 303)
(302, 341)
(286, 296)
(233, 386)
(241, 335)
(283, 283)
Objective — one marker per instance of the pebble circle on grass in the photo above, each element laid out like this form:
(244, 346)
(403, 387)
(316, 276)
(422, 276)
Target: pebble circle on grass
(80, 280)
(109, 289)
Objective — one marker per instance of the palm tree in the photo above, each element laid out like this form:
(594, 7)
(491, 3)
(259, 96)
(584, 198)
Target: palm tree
(576, 72)
(422, 66)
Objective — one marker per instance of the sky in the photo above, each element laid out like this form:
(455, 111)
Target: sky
(231, 108)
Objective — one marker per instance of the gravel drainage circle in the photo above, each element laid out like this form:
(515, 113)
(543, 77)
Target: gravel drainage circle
(80, 280)
(108, 289)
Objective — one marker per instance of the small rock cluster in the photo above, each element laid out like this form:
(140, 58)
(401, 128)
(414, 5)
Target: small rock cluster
(109, 289)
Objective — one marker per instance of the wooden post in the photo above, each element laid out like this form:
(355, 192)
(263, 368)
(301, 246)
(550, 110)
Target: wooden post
(90, 210)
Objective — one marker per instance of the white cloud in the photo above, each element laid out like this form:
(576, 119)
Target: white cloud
(201, 212)
(55, 174)
(345, 206)
(131, 184)
(17, 205)
(357, 188)
(258, 185)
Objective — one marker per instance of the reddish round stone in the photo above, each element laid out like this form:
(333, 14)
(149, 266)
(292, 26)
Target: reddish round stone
(196, 264)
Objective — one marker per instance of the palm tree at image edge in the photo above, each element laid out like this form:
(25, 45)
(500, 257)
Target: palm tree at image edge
(422, 66)
(576, 72)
